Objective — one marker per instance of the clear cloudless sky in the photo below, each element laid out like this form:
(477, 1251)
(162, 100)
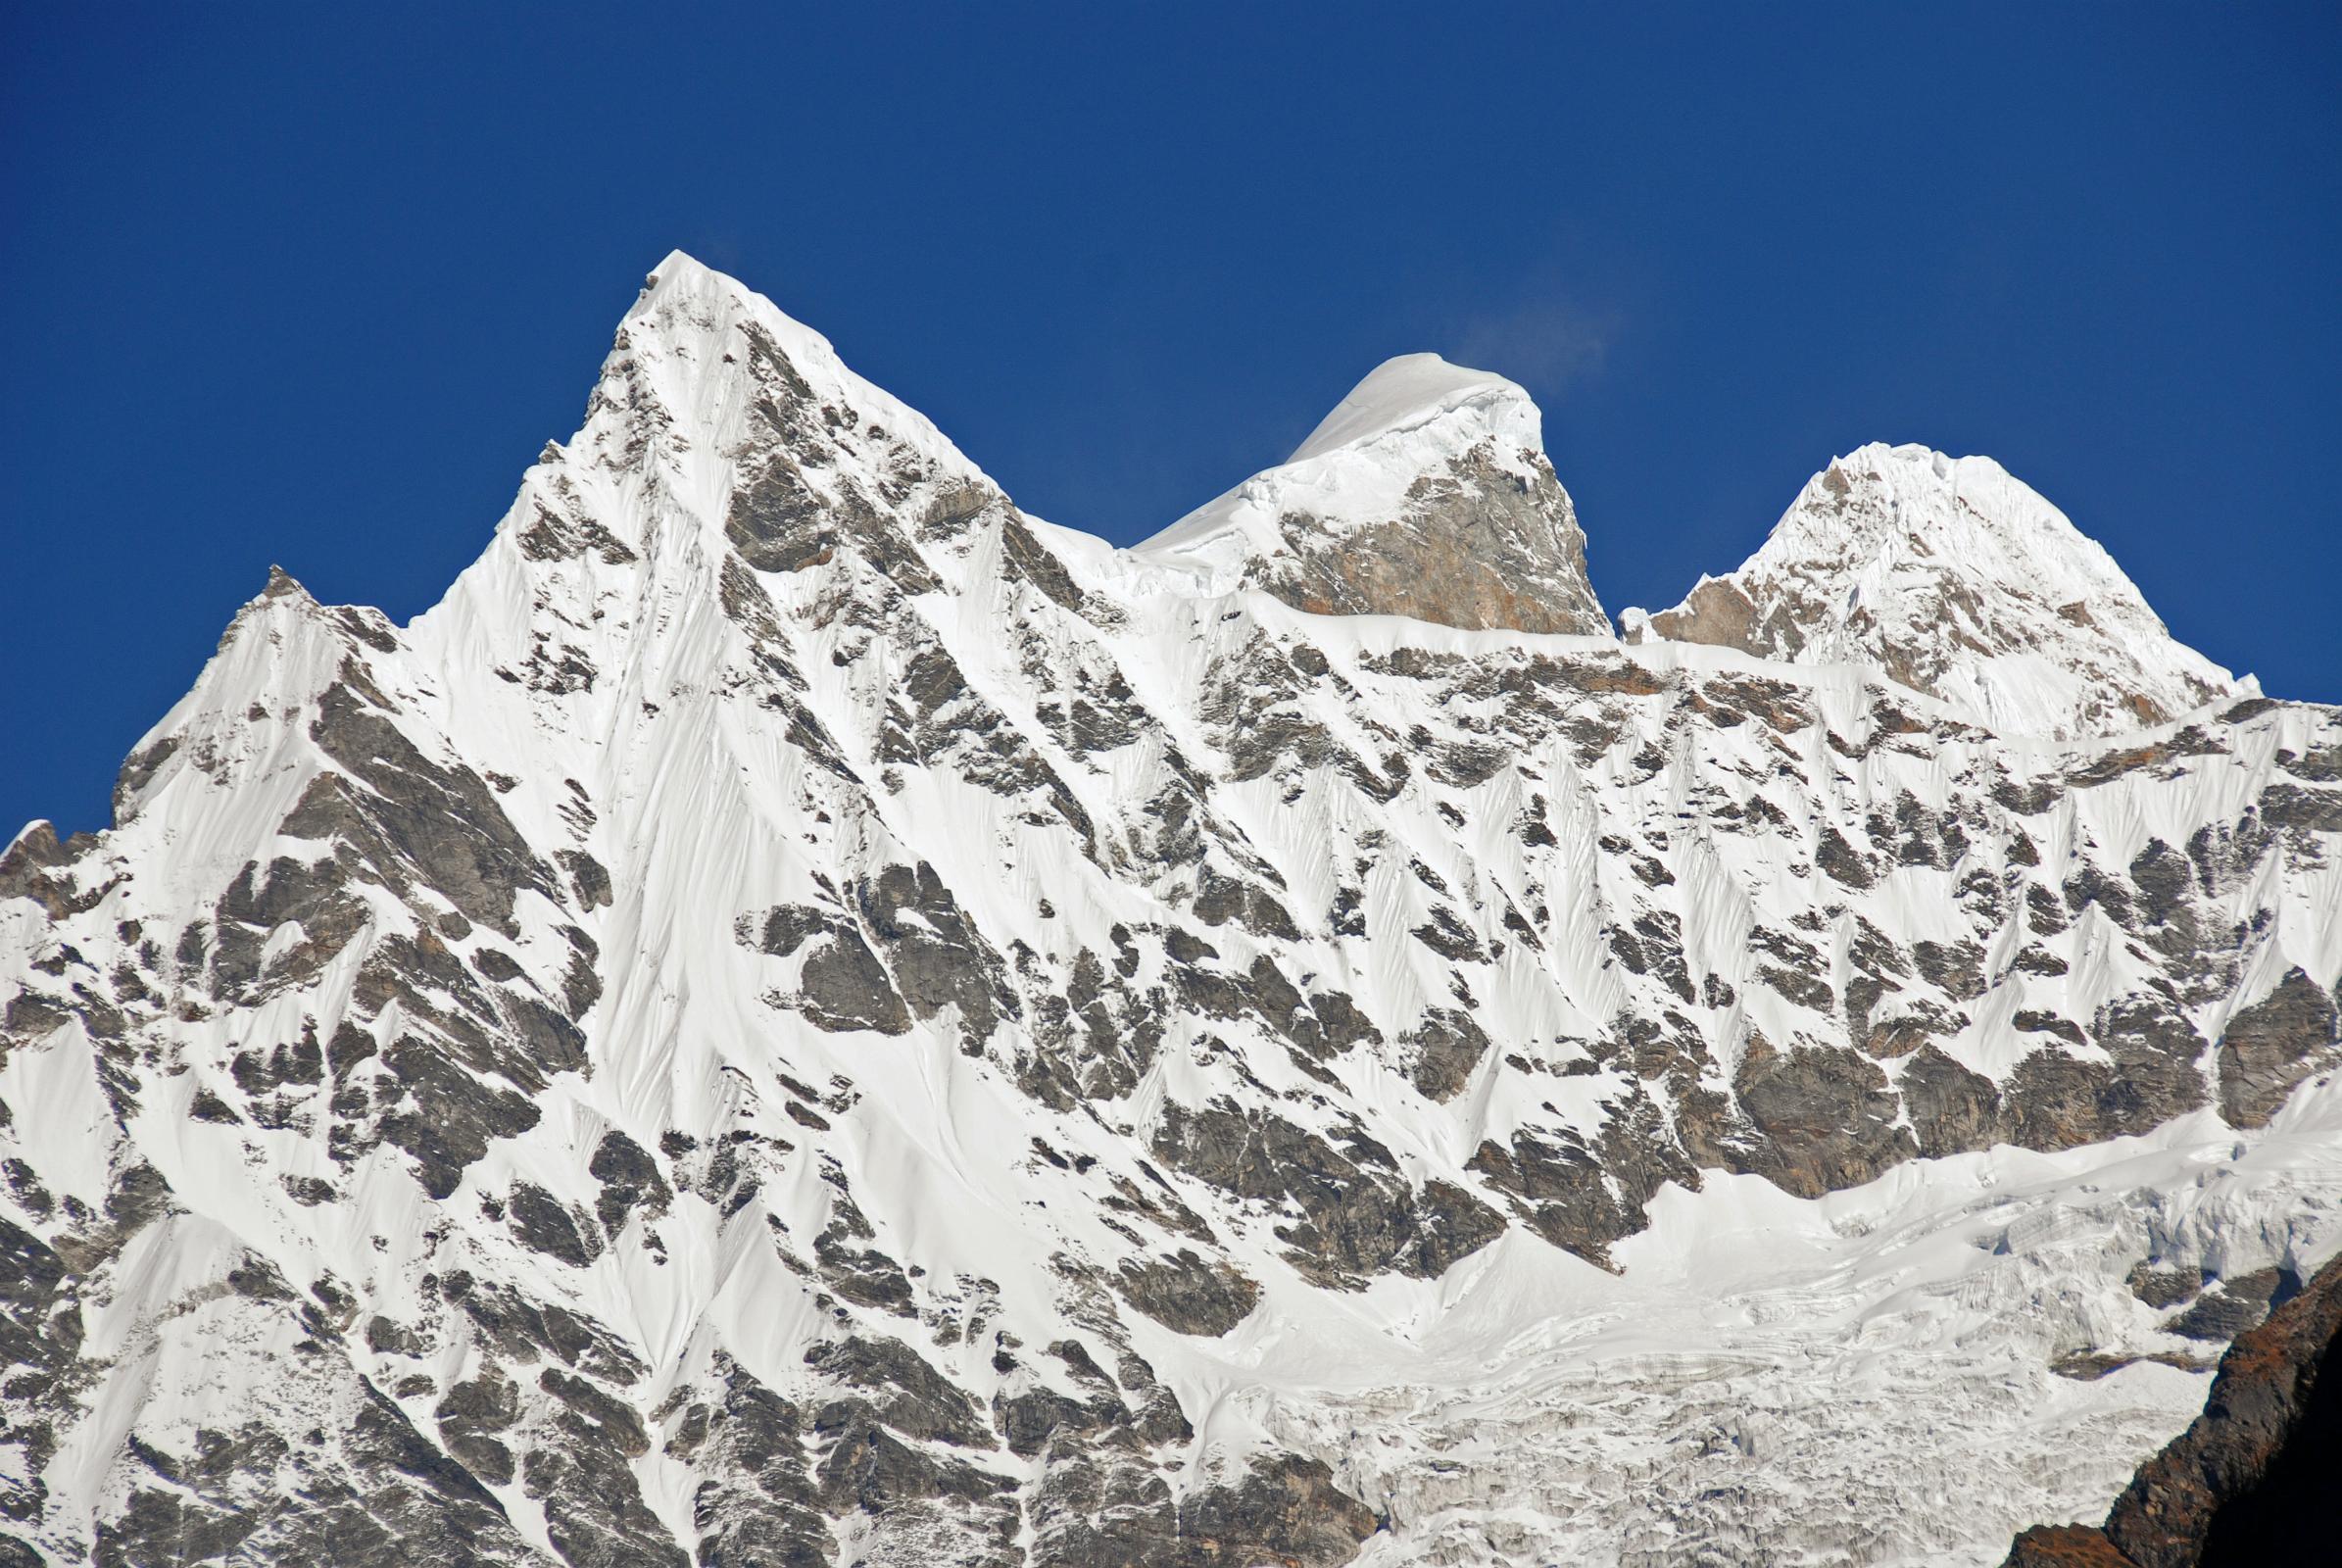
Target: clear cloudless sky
(313, 284)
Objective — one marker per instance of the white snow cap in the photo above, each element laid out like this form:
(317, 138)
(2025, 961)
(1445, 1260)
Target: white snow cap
(1406, 393)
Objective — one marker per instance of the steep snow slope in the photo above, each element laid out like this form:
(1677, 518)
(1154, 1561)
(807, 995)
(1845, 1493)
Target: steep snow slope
(1956, 581)
(802, 1015)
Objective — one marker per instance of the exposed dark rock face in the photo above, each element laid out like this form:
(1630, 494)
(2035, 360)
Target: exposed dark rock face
(412, 1500)
(470, 1418)
(1481, 543)
(1827, 1119)
(2216, 1309)
(1952, 1109)
(757, 1508)
(29, 868)
(1187, 1294)
(630, 1181)
(415, 821)
(1288, 1511)
(2066, 1546)
(1450, 1046)
(2251, 1481)
(40, 1339)
(2273, 1045)
(1583, 1198)
(2056, 1099)
(576, 1463)
(1358, 1214)
(779, 521)
(542, 1225)
(937, 956)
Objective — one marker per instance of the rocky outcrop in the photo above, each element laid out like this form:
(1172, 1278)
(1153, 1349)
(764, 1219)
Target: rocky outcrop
(1426, 493)
(2251, 1481)
(2066, 1546)
(2275, 1044)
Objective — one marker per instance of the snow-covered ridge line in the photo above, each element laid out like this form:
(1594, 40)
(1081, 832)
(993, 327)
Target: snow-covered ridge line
(1947, 574)
(803, 1015)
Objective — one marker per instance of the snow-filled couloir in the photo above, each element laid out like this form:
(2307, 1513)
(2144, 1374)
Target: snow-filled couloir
(804, 1017)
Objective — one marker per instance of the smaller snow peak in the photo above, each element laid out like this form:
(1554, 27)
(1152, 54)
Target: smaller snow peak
(686, 312)
(683, 286)
(229, 733)
(1882, 508)
(1408, 392)
(1425, 493)
(1911, 454)
(720, 437)
(680, 273)
(1957, 579)
(284, 612)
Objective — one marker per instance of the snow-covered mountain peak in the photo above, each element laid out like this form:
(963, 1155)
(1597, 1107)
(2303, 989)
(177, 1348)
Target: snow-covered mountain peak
(1880, 507)
(1957, 579)
(678, 265)
(1413, 392)
(1425, 493)
(802, 1016)
(683, 296)
(722, 437)
(708, 347)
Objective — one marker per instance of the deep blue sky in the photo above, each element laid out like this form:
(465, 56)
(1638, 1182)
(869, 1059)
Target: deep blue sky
(313, 285)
